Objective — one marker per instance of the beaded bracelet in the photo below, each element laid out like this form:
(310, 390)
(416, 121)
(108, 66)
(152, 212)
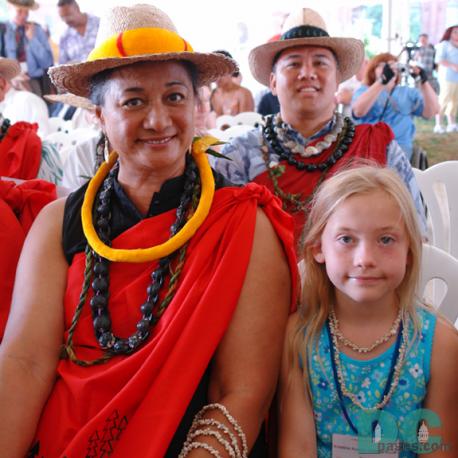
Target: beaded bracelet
(230, 419)
(222, 427)
(193, 445)
(217, 435)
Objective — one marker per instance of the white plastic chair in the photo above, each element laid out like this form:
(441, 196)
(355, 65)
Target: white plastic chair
(249, 118)
(224, 121)
(439, 187)
(56, 124)
(66, 141)
(231, 132)
(439, 265)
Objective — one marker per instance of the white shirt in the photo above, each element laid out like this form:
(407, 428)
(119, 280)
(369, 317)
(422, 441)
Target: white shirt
(80, 163)
(26, 106)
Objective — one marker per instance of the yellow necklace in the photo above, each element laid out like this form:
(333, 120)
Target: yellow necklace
(199, 146)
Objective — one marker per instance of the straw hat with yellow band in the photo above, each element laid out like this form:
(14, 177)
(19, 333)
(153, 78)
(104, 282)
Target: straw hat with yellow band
(127, 35)
(140, 33)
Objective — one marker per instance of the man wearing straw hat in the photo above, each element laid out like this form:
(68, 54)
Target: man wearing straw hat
(308, 140)
(28, 43)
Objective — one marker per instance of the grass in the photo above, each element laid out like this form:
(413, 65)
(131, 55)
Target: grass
(439, 147)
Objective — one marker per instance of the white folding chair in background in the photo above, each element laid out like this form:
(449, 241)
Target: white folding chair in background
(439, 187)
(231, 132)
(249, 118)
(438, 265)
(223, 122)
(56, 124)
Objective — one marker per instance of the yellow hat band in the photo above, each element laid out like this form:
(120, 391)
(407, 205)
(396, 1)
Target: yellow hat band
(140, 41)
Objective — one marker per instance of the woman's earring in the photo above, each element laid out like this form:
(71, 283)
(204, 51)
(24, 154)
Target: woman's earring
(106, 149)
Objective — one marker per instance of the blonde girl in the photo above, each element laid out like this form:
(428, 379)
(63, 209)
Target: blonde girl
(362, 355)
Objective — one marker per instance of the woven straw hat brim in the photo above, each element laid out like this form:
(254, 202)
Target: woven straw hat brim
(71, 99)
(349, 53)
(9, 68)
(75, 78)
(34, 6)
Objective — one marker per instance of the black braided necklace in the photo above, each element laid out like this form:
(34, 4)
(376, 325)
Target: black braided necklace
(6, 123)
(296, 202)
(285, 154)
(150, 309)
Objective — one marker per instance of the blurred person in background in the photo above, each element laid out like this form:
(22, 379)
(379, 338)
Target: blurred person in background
(229, 98)
(347, 88)
(27, 42)
(205, 117)
(381, 98)
(425, 57)
(20, 105)
(78, 39)
(447, 56)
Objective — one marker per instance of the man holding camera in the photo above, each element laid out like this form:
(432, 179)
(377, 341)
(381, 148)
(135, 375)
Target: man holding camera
(383, 98)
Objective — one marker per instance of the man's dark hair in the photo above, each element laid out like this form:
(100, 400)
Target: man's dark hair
(227, 54)
(65, 2)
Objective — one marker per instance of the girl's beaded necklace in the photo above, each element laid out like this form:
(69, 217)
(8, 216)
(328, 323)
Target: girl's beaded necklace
(348, 343)
(392, 382)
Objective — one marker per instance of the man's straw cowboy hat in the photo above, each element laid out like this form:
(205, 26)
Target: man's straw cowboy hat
(306, 27)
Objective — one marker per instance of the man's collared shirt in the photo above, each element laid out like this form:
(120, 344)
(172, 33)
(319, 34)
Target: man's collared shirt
(74, 47)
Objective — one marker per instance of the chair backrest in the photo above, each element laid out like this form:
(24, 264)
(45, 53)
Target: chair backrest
(249, 118)
(56, 124)
(66, 141)
(224, 121)
(439, 187)
(231, 132)
(439, 265)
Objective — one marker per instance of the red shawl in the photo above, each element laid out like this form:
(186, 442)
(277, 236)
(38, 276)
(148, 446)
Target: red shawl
(20, 151)
(369, 142)
(133, 405)
(19, 205)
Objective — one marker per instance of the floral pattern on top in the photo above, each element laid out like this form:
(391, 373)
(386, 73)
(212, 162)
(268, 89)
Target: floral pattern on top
(367, 379)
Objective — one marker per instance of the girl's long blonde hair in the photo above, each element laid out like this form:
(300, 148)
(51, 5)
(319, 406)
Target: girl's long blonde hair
(318, 292)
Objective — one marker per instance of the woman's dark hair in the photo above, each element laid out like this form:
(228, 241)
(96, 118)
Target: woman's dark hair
(448, 33)
(99, 82)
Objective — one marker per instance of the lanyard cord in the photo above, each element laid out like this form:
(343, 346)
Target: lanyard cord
(387, 101)
(336, 379)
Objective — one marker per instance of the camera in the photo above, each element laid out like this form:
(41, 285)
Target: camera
(402, 68)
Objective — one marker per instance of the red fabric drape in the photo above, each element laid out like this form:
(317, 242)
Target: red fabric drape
(19, 205)
(133, 405)
(20, 151)
(369, 142)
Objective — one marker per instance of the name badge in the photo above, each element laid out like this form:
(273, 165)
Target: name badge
(345, 446)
